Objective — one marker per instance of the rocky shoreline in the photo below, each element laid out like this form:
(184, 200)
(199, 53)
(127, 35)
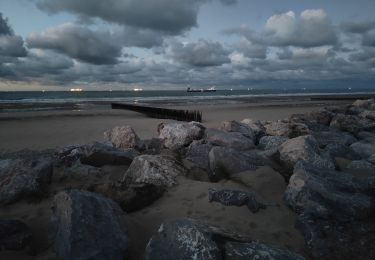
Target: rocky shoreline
(326, 158)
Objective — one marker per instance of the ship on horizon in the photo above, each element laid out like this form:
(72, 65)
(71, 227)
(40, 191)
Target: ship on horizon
(211, 89)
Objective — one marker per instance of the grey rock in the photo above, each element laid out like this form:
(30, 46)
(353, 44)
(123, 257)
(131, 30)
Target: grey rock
(303, 148)
(234, 126)
(179, 135)
(158, 170)
(78, 171)
(197, 152)
(298, 129)
(321, 116)
(226, 161)
(325, 193)
(70, 154)
(371, 159)
(14, 235)
(346, 123)
(279, 128)
(152, 146)
(254, 250)
(235, 198)
(233, 139)
(360, 165)
(271, 142)
(340, 150)
(255, 125)
(23, 178)
(368, 137)
(363, 103)
(189, 239)
(122, 137)
(99, 154)
(333, 137)
(330, 239)
(88, 226)
(363, 148)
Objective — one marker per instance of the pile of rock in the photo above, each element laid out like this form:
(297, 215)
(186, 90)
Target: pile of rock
(334, 208)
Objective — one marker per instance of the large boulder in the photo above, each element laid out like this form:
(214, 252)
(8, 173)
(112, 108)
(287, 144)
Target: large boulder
(122, 137)
(255, 125)
(279, 128)
(100, 154)
(303, 148)
(348, 123)
(360, 165)
(335, 150)
(23, 179)
(190, 239)
(259, 251)
(325, 193)
(88, 226)
(271, 142)
(14, 235)
(333, 137)
(321, 116)
(363, 103)
(232, 139)
(363, 148)
(234, 126)
(158, 170)
(197, 153)
(179, 135)
(71, 154)
(226, 161)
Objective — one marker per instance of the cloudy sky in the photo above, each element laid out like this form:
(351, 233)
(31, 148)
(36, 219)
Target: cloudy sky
(170, 44)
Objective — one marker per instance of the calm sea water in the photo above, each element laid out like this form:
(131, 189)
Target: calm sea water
(174, 95)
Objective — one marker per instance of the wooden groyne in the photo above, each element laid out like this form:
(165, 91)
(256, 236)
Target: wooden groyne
(163, 113)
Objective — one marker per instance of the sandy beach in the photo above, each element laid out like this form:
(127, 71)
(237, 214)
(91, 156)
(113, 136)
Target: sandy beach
(58, 128)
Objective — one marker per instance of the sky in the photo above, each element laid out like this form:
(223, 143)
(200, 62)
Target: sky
(174, 44)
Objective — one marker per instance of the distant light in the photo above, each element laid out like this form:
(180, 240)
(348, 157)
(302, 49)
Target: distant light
(76, 90)
(350, 88)
(137, 89)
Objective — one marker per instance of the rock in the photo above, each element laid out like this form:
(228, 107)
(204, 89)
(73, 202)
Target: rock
(234, 126)
(254, 250)
(197, 152)
(279, 128)
(79, 171)
(333, 137)
(235, 198)
(23, 179)
(130, 197)
(303, 148)
(321, 116)
(189, 239)
(363, 103)
(258, 129)
(70, 154)
(122, 137)
(153, 146)
(101, 154)
(14, 235)
(335, 150)
(360, 164)
(179, 135)
(226, 161)
(271, 142)
(298, 129)
(233, 139)
(367, 137)
(157, 170)
(368, 114)
(363, 149)
(88, 226)
(325, 193)
(346, 123)
(371, 159)
(328, 239)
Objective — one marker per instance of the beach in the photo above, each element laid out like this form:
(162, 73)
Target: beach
(38, 130)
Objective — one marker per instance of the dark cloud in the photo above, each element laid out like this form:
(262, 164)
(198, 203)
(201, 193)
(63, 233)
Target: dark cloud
(201, 53)
(369, 39)
(228, 2)
(5, 29)
(78, 42)
(358, 27)
(172, 16)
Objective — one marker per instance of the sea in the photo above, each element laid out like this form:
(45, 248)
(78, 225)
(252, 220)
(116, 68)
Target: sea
(47, 100)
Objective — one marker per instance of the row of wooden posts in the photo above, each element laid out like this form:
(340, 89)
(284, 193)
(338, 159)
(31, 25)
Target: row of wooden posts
(164, 113)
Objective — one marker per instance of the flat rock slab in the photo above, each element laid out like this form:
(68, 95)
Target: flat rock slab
(14, 235)
(88, 226)
(235, 198)
(233, 140)
(23, 178)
